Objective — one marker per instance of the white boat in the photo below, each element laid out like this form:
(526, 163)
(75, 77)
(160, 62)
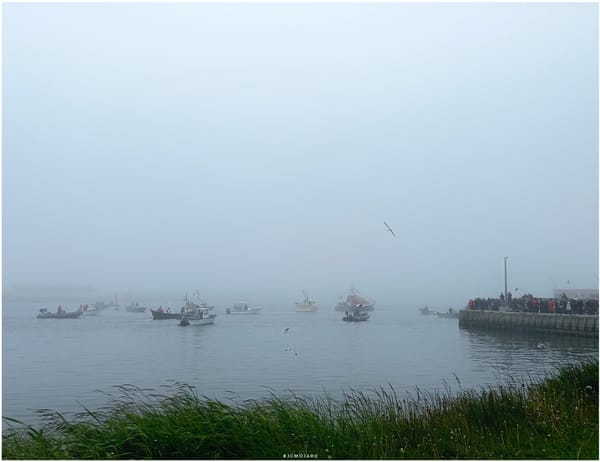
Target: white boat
(197, 317)
(306, 305)
(103, 306)
(88, 310)
(135, 308)
(242, 308)
(354, 302)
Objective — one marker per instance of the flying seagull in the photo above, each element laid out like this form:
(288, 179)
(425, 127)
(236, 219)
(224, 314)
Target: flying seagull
(291, 349)
(389, 229)
(286, 329)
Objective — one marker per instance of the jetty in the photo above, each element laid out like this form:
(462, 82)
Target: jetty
(548, 323)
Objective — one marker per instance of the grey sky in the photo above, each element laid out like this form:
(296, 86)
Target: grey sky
(255, 150)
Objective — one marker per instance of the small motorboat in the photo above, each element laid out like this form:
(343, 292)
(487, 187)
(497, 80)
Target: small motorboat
(356, 316)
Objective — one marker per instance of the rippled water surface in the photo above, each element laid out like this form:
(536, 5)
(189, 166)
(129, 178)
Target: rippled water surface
(66, 364)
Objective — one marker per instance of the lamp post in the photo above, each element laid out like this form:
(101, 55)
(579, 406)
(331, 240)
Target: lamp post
(505, 283)
(553, 286)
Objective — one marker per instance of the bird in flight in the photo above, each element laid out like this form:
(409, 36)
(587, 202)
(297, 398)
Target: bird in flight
(286, 330)
(291, 349)
(389, 229)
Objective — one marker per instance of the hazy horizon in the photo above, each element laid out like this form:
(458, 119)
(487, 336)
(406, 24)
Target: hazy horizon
(255, 150)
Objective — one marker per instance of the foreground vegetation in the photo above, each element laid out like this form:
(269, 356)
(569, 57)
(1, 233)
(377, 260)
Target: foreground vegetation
(556, 418)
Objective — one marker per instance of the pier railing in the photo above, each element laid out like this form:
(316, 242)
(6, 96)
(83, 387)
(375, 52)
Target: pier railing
(563, 324)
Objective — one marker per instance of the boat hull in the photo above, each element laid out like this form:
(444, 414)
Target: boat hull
(159, 316)
(197, 320)
(242, 308)
(305, 308)
(71, 315)
(356, 317)
(248, 311)
(450, 315)
(136, 309)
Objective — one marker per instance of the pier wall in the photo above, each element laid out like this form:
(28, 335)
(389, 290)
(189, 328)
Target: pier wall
(562, 324)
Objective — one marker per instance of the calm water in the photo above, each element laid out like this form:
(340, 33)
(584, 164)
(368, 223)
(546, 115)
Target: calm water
(64, 364)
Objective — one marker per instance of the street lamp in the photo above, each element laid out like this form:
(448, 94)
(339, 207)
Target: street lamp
(553, 286)
(505, 283)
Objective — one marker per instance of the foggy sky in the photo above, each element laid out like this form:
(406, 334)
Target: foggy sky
(253, 151)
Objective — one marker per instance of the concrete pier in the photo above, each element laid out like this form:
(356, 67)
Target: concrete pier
(561, 324)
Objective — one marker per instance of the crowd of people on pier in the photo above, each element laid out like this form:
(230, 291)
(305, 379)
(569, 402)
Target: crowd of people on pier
(529, 304)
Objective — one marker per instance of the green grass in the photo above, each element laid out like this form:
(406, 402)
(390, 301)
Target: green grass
(554, 418)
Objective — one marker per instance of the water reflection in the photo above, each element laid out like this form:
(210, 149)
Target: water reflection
(517, 355)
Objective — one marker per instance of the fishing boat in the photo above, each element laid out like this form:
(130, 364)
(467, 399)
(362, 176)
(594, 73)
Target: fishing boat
(195, 303)
(306, 305)
(197, 317)
(60, 314)
(194, 311)
(426, 311)
(242, 308)
(354, 301)
(159, 314)
(135, 308)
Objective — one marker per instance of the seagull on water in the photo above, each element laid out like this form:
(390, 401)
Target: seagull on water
(291, 349)
(389, 229)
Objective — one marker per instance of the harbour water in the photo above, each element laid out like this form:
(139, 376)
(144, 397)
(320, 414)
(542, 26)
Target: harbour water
(67, 364)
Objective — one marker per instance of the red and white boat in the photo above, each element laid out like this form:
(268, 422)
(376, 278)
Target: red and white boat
(355, 302)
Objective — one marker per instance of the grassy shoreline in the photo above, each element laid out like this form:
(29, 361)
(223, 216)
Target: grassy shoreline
(554, 418)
